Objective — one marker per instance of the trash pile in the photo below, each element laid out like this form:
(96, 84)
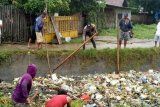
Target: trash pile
(105, 90)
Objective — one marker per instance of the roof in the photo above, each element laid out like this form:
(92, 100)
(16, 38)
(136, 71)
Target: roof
(117, 3)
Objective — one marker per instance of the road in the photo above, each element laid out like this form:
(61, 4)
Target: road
(101, 41)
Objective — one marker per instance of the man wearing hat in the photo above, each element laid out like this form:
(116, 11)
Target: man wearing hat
(125, 27)
(89, 30)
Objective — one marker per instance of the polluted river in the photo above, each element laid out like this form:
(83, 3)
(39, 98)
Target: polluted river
(93, 78)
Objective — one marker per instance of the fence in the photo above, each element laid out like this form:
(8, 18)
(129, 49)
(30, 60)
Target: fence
(14, 25)
(142, 18)
(68, 25)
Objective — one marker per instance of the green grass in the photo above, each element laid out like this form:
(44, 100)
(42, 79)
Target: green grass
(144, 31)
(134, 58)
(108, 32)
(74, 40)
(141, 31)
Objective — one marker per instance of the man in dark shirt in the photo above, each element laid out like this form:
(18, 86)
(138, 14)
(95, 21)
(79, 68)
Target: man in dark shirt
(89, 30)
(126, 29)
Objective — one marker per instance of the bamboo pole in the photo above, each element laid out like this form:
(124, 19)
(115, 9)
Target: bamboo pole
(47, 53)
(118, 46)
(73, 53)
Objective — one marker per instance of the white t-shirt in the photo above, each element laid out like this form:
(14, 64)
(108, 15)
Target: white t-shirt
(1, 24)
(158, 29)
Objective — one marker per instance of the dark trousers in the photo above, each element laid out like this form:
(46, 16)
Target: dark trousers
(92, 40)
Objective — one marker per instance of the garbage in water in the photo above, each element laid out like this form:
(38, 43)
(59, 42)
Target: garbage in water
(106, 90)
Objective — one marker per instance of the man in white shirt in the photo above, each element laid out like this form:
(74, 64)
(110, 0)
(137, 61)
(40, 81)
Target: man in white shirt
(1, 24)
(157, 34)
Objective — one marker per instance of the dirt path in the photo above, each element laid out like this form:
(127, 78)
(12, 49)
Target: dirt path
(101, 41)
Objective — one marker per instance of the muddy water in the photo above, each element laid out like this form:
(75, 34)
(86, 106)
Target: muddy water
(16, 66)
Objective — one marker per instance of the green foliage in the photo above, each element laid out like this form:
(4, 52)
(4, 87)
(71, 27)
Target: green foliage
(88, 7)
(59, 6)
(34, 6)
(38, 6)
(5, 2)
(148, 5)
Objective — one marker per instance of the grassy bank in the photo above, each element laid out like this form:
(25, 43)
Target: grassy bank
(129, 58)
(141, 31)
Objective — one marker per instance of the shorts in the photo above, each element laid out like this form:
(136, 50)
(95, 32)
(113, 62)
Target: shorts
(124, 36)
(157, 38)
(39, 37)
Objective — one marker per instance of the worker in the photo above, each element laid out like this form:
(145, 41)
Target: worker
(60, 100)
(38, 30)
(20, 95)
(1, 24)
(125, 27)
(89, 30)
(157, 34)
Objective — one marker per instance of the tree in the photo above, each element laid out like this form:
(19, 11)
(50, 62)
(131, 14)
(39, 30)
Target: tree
(86, 5)
(89, 8)
(147, 5)
(37, 6)
(5, 2)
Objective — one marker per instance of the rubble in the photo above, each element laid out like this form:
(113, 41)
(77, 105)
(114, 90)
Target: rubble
(127, 89)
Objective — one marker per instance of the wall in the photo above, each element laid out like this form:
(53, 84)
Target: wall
(14, 24)
(142, 18)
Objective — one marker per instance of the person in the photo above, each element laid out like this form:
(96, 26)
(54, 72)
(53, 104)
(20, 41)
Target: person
(20, 95)
(38, 29)
(32, 36)
(89, 30)
(60, 100)
(125, 27)
(157, 34)
(1, 24)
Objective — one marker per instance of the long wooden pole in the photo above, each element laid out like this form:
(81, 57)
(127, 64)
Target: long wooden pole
(118, 46)
(73, 53)
(47, 53)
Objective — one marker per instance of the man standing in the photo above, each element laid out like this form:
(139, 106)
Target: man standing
(1, 24)
(38, 30)
(125, 27)
(157, 34)
(89, 30)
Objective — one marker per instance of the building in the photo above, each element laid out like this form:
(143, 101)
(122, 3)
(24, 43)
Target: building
(114, 11)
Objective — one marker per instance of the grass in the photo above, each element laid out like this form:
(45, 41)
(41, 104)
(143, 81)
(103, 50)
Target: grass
(75, 40)
(141, 31)
(108, 32)
(144, 31)
(134, 58)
